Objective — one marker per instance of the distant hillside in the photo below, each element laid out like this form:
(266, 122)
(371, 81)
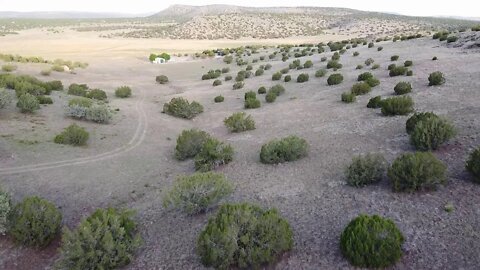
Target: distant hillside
(61, 15)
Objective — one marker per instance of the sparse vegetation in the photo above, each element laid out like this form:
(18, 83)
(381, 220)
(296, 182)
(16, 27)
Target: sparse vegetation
(28, 103)
(5, 208)
(348, 97)
(123, 92)
(180, 107)
(5, 98)
(189, 143)
(365, 170)
(320, 73)
(473, 165)
(213, 154)
(397, 71)
(73, 135)
(431, 132)
(361, 88)
(290, 148)
(219, 99)
(161, 79)
(436, 78)
(239, 122)
(401, 105)
(375, 102)
(335, 79)
(403, 88)
(302, 78)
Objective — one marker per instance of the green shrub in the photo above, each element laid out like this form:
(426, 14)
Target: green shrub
(259, 72)
(239, 122)
(99, 113)
(80, 101)
(451, 39)
(270, 97)
(365, 170)
(391, 66)
(123, 92)
(189, 143)
(217, 82)
(408, 63)
(416, 171)
(436, 78)
(320, 73)
(369, 61)
(225, 70)
(219, 99)
(161, 79)
(308, 64)
(97, 94)
(249, 67)
(213, 153)
(238, 85)
(268, 67)
(334, 64)
(290, 148)
(372, 82)
(9, 68)
(376, 66)
(262, 90)
(5, 208)
(5, 98)
(394, 58)
(473, 165)
(34, 222)
(107, 239)
(371, 242)
(364, 76)
(252, 103)
(409, 73)
(361, 88)
(28, 103)
(380, 48)
(356, 53)
(250, 94)
(78, 89)
(335, 79)
(401, 105)
(431, 132)
(302, 78)
(198, 192)
(359, 67)
(370, 45)
(180, 107)
(264, 237)
(72, 135)
(53, 86)
(46, 72)
(417, 117)
(375, 102)
(397, 71)
(288, 78)
(276, 76)
(402, 88)
(228, 78)
(284, 70)
(348, 97)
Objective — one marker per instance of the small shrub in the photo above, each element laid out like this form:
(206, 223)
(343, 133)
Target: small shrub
(217, 82)
(302, 78)
(436, 78)
(431, 132)
(451, 39)
(213, 153)
(391, 66)
(375, 102)
(364, 76)
(28, 103)
(239, 122)
(323, 59)
(284, 70)
(97, 94)
(371, 242)
(356, 53)
(270, 97)
(252, 103)
(335, 79)
(370, 45)
(320, 73)
(189, 143)
(276, 76)
(416, 171)
(365, 170)
(376, 66)
(409, 73)
(198, 192)
(369, 61)
(288, 78)
(372, 82)
(46, 72)
(401, 105)
(394, 58)
(80, 101)
(403, 88)
(238, 85)
(78, 90)
(219, 99)
(107, 239)
(123, 92)
(262, 90)
(264, 237)
(380, 48)
(290, 148)
(250, 94)
(348, 97)
(9, 68)
(72, 135)
(180, 107)
(334, 64)
(268, 67)
(408, 63)
(76, 111)
(249, 67)
(98, 113)
(5, 208)
(308, 64)
(225, 70)
(416, 118)
(5, 98)
(397, 71)
(259, 72)
(161, 79)
(228, 78)
(34, 222)
(361, 88)
(359, 67)
(434, 58)
(44, 100)
(473, 165)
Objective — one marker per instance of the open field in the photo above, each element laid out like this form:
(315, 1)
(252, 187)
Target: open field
(130, 162)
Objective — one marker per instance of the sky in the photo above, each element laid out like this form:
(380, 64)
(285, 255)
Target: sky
(464, 8)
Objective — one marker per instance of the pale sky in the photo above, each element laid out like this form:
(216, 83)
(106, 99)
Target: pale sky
(464, 8)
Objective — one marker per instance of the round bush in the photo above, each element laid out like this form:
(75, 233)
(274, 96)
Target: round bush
(401, 105)
(403, 88)
(99, 113)
(372, 82)
(394, 58)
(356, 53)
(189, 143)
(375, 102)
(219, 99)
(320, 73)
(369, 61)
(408, 63)
(123, 92)
(107, 239)
(397, 71)
(161, 79)
(361, 88)
(259, 72)
(370, 45)
(97, 94)
(359, 67)
(431, 132)
(28, 103)
(335, 79)
(436, 78)
(409, 73)
(264, 237)
(288, 78)
(372, 242)
(416, 171)
(391, 66)
(239, 122)
(270, 97)
(334, 64)
(72, 135)
(180, 107)
(302, 78)
(262, 90)
(308, 64)
(417, 117)
(213, 154)
(348, 97)
(365, 170)
(473, 165)
(250, 94)
(276, 76)
(290, 148)
(364, 76)
(5, 208)
(238, 85)
(252, 103)
(5, 98)
(225, 70)
(34, 222)
(217, 82)
(228, 78)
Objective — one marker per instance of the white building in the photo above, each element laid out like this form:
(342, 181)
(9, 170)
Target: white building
(159, 60)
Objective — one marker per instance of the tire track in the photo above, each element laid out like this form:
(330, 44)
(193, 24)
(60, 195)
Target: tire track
(135, 141)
